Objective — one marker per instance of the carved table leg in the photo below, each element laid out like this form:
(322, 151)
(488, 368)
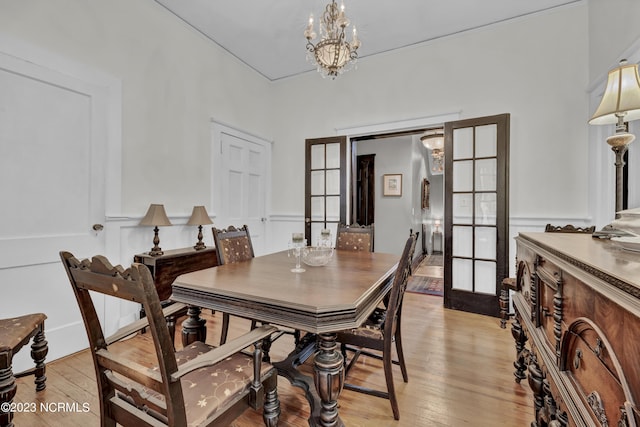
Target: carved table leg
(329, 378)
(193, 327)
(521, 352)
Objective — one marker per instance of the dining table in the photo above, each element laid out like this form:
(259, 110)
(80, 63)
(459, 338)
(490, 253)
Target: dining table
(320, 301)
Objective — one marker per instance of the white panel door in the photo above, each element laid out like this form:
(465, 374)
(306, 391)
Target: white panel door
(52, 192)
(244, 164)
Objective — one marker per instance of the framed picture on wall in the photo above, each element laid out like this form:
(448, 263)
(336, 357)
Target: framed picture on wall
(425, 194)
(392, 184)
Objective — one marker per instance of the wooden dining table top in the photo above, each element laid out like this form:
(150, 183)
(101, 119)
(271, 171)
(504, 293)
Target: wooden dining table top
(337, 296)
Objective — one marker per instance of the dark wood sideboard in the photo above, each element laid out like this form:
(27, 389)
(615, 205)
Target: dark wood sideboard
(166, 267)
(577, 329)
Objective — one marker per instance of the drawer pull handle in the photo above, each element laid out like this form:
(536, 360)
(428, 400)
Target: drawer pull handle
(576, 359)
(545, 312)
(598, 349)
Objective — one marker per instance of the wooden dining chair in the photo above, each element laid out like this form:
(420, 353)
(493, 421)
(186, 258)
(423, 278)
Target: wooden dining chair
(377, 335)
(200, 385)
(234, 245)
(355, 237)
(15, 333)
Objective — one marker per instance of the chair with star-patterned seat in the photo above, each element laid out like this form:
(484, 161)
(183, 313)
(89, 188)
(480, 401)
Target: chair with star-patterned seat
(200, 385)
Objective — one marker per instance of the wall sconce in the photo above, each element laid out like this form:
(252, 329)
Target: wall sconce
(620, 103)
(199, 217)
(434, 140)
(156, 216)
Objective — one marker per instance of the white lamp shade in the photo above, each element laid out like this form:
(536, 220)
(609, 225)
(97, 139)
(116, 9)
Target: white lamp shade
(622, 95)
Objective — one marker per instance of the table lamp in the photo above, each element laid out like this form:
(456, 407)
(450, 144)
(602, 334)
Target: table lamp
(620, 104)
(199, 217)
(156, 216)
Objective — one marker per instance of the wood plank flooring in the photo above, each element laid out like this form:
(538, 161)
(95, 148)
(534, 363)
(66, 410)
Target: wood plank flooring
(460, 373)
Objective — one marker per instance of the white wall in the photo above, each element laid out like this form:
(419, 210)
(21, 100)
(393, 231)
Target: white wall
(173, 82)
(535, 68)
(613, 31)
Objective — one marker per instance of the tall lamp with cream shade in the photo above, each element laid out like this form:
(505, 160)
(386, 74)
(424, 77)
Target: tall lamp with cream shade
(199, 217)
(156, 216)
(620, 104)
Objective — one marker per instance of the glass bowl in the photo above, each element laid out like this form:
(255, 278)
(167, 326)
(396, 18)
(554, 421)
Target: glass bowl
(316, 256)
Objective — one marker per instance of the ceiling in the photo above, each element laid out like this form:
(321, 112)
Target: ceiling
(268, 35)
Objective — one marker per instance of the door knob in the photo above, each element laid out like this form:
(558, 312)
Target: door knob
(97, 227)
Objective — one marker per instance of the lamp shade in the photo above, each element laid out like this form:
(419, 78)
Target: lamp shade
(155, 216)
(622, 95)
(199, 216)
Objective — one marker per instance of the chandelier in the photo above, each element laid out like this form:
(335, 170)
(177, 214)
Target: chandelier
(434, 141)
(333, 54)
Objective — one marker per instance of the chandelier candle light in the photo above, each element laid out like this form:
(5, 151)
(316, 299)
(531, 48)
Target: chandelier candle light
(333, 53)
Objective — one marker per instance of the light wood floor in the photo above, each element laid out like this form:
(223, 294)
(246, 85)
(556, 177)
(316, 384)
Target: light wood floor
(460, 373)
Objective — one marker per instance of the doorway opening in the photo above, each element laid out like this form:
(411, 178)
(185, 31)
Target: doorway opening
(402, 157)
(365, 190)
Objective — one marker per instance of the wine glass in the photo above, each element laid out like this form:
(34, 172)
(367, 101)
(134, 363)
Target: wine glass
(295, 249)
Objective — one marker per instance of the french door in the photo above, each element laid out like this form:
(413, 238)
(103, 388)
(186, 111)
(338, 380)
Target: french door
(325, 185)
(476, 212)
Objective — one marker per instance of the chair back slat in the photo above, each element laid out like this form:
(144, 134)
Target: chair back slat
(130, 369)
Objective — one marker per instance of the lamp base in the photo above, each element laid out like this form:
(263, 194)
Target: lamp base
(156, 251)
(619, 143)
(200, 244)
